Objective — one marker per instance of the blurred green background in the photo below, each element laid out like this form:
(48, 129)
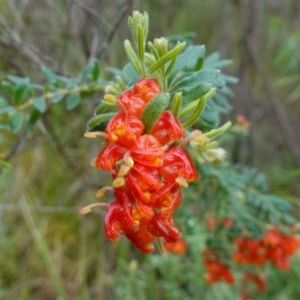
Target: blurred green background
(49, 251)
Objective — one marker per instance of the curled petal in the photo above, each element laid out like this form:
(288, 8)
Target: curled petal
(147, 151)
(146, 88)
(177, 163)
(136, 241)
(112, 221)
(163, 226)
(141, 180)
(168, 198)
(123, 198)
(125, 129)
(109, 155)
(132, 103)
(167, 128)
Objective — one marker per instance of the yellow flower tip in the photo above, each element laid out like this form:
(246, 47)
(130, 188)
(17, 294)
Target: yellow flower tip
(113, 137)
(110, 98)
(118, 182)
(90, 135)
(123, 170)
(93, 162)
(182, 182)
(158, 161)
(94, 134)
(129, 161)
(100, 193)
(85, 210)
(200, 139)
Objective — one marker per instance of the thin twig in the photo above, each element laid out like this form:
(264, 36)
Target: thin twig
(284, 125)
(123, 13)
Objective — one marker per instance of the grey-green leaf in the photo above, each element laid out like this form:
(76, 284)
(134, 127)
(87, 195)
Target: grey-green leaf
(40, 104)
(57, 98)
(153, 110)
(72, 101)
(3, 103)
(193, 93)
(187, 60)
(16, 121)
(207, 75)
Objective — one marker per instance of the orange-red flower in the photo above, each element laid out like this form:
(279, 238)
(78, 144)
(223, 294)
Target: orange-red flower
(178, 163)
(125, 129)
(131, 102)
(147, 170)
(109, 156)
(275, 247)
(147, 151)
(146, 88)
(167, 128)
(178, 247)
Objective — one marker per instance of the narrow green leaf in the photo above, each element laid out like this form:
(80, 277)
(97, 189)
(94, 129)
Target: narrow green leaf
(40, 104)
(133, 57)
(193, 104)
(16, 121)
(153, 50)
(170, 66)
(98, 123)
(72, 101)
(176, 105)
(103, 106)
(141, 42)
(167, 57)
(153, 109)
(218, 131)
(197, 112)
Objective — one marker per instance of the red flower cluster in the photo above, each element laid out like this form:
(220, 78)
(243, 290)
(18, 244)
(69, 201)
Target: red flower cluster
(213, 223)
(275, 247)
(147, 170)
(216, 270)
(257, 280)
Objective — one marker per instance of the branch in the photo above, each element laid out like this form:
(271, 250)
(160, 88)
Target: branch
(284, 125)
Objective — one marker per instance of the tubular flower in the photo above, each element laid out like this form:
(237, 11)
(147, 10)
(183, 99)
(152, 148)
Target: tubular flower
(132, 103)
(177, 163)
(146, 88)
(167, 128)
(125, 129)
(147, 151)
(148, 170)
